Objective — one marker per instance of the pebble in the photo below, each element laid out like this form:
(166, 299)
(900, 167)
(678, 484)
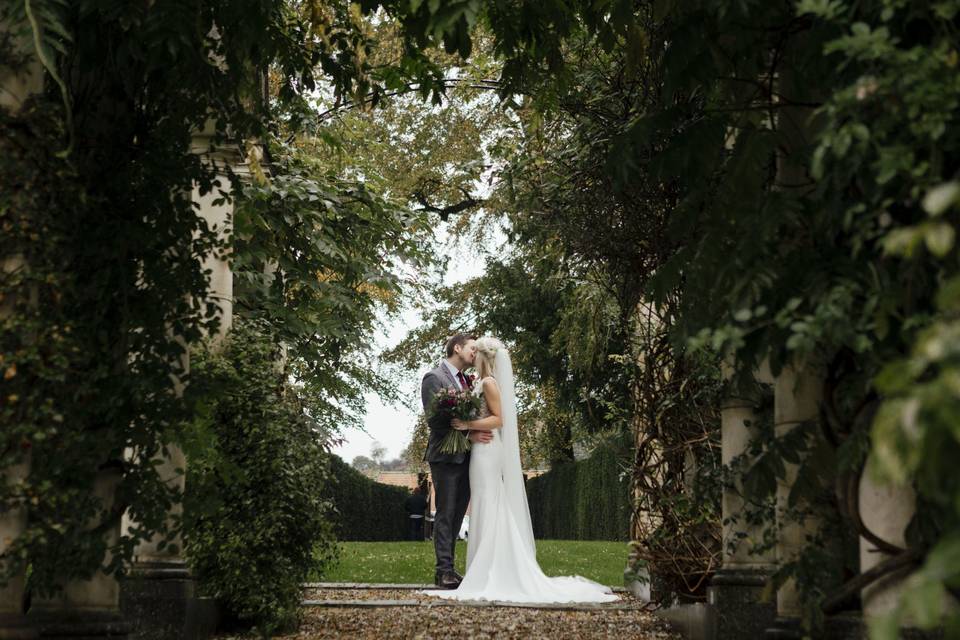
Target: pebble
(422, 622)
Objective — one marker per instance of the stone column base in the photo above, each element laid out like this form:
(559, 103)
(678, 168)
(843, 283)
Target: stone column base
(16, 627)
(736, 595)
(784, 629)
(159, 599)
(850, 626)
(78, 624)
(843, 626)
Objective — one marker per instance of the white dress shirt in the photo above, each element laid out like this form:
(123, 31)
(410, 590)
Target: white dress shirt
(453, 371)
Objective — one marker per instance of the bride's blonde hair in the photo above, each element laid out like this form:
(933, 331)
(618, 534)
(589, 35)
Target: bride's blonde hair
(487, 348)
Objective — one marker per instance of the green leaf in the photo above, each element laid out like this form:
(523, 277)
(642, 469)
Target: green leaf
(826, 9)
(941, 197)
(923, 603)
(943, 561)
(902, 242)
(948, 297)
(885, 627)
(939, 238)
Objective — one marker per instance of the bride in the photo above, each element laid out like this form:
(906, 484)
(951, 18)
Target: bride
(501, 556)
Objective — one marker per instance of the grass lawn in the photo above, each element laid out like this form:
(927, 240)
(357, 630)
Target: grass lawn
(412, 562)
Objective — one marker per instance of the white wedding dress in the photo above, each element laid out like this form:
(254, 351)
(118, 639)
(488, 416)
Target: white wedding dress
(501, 556)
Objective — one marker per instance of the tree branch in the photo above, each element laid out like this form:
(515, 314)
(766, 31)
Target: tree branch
(468, 202)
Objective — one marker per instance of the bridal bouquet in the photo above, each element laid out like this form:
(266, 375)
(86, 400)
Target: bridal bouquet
(464, 405)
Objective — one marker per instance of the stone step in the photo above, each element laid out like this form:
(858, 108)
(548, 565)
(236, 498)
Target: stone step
(378, 585)
(472, 603)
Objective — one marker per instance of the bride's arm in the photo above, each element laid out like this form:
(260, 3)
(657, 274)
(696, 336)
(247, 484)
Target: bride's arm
(492, 393)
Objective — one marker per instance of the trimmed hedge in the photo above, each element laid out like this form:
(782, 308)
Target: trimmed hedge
(584, 500)
(365, 510)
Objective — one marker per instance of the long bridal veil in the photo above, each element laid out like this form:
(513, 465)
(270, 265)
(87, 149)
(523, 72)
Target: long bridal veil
(515, 495)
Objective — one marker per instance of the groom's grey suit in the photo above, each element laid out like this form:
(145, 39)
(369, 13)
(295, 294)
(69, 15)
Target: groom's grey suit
(451, 472)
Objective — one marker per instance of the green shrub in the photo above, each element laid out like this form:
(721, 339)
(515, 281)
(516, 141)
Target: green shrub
(584, 500)
(366, 510)
(256, 522)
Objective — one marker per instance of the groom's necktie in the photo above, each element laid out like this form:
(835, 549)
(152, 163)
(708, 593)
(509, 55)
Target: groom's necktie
(462, 379)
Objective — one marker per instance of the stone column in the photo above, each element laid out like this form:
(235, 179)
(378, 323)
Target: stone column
(218, 217)
(798, 392)
(87, 609)
(160, 594)
(15, 88)
(736, 590)
(886, 511)
(13, 623)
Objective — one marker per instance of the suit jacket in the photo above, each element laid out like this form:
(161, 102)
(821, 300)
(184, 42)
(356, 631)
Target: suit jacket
(415, 505)
(439, 424)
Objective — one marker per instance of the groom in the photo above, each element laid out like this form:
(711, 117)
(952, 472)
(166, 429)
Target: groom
(450, 471)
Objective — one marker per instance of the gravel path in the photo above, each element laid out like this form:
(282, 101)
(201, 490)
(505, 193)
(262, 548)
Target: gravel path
(435, 618)
(364, 594)
(326, 594)
(478, 623)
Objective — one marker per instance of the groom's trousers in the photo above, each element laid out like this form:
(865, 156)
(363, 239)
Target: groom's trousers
(452, 485)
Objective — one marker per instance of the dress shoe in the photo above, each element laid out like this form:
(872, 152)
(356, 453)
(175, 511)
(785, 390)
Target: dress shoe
(446, 580)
